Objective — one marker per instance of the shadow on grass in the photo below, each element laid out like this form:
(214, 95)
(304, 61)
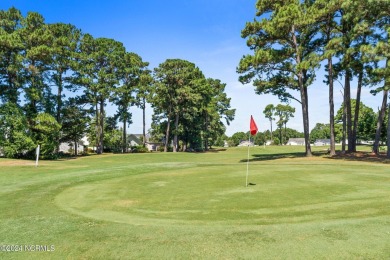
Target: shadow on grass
(276, 156)
(211, 150)
(357, 156)
(216, 150)
(361, 157)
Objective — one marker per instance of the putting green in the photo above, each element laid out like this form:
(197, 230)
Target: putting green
(215, 194)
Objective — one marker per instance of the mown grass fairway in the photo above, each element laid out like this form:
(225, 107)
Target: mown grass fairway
(180, 206)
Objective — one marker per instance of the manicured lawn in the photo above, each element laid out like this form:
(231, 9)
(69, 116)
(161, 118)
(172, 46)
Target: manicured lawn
(196, 205)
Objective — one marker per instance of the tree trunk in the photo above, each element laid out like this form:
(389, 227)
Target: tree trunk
(59, 107)
(381, 117)
(97, 127)
(304, 97)
(347, 103)
(343, 144)
(167, 134)
(75, 148)
(206, 136)
(101, 134)
(357, 109)
(175, 141)
(331, 109)
(305, 116)
(59, 99)
(280, 136)
(124, 138)
(143, 121)
(388, 134)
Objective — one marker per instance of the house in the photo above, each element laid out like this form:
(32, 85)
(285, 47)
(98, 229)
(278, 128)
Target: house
(134, 139)
(153, 146)
(246, 143)
(268, 142)
(68, 147)
(322, 142)
(296, 141)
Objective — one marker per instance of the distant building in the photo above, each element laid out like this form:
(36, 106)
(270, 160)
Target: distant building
(322, 142)
(134, 139)
(246, 143)
(268, 142)
(69, 147)
(296, 141)
(153, 146)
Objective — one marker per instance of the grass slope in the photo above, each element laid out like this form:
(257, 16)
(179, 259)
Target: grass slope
(186, 205)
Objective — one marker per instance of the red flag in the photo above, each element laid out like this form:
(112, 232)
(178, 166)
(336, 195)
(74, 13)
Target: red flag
(253, 126)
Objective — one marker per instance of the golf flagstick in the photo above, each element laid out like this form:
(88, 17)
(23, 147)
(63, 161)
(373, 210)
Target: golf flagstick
(247, 162)
(253, 131)
(37, 152)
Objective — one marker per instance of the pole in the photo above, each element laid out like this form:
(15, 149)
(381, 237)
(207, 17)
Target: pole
(37, 151)
(247, 163)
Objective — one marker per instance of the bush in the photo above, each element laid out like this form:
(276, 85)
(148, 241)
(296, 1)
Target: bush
(161, 149)
(139, 149)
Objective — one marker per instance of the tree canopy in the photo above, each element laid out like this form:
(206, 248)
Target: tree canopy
(57, 81)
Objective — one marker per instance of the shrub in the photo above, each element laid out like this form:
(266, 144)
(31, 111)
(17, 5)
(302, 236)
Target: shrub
(139, 149)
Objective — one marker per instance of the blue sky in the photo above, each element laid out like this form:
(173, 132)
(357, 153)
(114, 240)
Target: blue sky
(205, 32)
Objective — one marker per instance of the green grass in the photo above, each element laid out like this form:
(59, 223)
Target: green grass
(186, 205)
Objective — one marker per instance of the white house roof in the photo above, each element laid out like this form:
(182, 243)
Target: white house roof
(296, 140)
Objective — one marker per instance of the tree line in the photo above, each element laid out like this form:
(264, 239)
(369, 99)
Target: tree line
(290, 41)
(56, 82)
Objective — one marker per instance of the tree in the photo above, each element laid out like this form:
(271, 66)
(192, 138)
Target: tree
(367, 118)
(238, 137)
(132, 68)
(11, 49)
(380, 120)
(280, 122)
(268, 112)
(14, 134)
(37, 39)
(45, 131)
(377, 53)
(142, 95)
(216, 106)
(356, 29)
(325, 13)
(320, 131)
(220, 141)
(64, 45)
(284, 112)
(112, 136)
(175, 93)
(98, 70)
(74, 122)
(388, 135)
(284, 46)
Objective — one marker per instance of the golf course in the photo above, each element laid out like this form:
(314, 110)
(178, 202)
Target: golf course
(197, 206)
